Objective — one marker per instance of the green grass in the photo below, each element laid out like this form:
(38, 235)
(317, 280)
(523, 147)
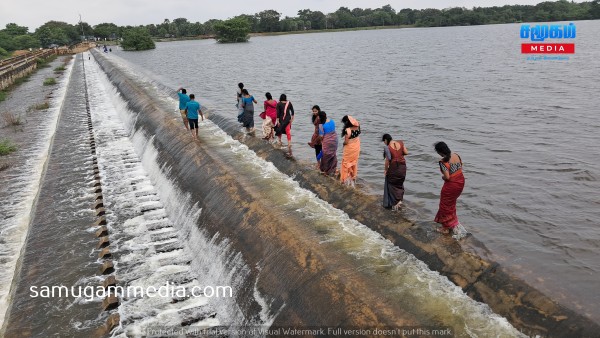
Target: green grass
(7, 147)
(49, 81)
(59, 69)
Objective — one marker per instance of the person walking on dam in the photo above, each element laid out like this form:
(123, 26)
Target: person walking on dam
(315, 141)
(193, 108)
(248, 102)
(349, 166)
(183, 100)
(238, 105)
(394, 172)
(329, 143)
(270, 117)
(451, 167)
(285, 117)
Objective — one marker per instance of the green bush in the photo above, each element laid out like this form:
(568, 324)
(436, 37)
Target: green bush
(50, 81)
(137, 39)
(7, 147)
(232, 30)
(4, 54)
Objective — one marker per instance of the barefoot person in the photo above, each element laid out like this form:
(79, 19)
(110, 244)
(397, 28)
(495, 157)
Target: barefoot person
(349, 166)
(285, 117)
(270, 117)
(329, 142)
(238, 105)
(248, 102)
(395, 172)
(454, 182)
(315, 140)
(194, 108)
(183, 100)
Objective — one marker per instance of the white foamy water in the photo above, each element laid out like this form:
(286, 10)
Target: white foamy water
(152, 227)
(426, 293)
(23, 186)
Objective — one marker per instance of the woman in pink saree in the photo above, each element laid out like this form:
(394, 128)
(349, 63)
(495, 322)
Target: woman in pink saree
(270, 117)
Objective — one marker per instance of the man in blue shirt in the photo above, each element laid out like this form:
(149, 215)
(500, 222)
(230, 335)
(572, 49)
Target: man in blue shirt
(193, 108)
(183, 100)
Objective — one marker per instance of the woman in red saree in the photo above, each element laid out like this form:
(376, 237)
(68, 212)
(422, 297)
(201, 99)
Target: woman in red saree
(454, 182)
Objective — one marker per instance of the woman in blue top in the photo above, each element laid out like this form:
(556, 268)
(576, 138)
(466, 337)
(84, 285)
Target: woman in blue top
(248, 116)
(329, 143)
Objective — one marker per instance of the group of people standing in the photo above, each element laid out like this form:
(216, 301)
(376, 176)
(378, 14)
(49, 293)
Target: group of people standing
(277, 120)
(325, 142)
(278, 117)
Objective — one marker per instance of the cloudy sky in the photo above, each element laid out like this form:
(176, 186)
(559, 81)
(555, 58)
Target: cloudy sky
(33, 13)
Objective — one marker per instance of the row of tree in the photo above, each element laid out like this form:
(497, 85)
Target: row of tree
(15, 37)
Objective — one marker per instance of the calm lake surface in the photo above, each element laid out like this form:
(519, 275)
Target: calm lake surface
(526, 130)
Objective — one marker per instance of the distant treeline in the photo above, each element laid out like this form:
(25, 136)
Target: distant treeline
(15, 37)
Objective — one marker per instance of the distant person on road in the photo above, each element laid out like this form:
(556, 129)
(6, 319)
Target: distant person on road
(270, 119)
(248, 102)
(183, 100)
(451, 167)
(193, 108)
(285, 117)
(329, 142)
(238, 105)
(315, 140)
(349, 166)
(394, 172)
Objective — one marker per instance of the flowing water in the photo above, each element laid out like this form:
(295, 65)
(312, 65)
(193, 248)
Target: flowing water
(521, 127)
(406, 280)
(20, 186)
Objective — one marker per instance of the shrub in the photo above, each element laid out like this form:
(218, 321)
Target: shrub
(11, 119)
(7, 147)
(50, 81)
(40, 106)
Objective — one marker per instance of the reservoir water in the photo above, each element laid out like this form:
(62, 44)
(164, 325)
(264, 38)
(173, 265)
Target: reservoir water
(526, 130)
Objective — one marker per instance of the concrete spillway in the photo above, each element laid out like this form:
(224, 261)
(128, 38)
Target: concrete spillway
(306, 282)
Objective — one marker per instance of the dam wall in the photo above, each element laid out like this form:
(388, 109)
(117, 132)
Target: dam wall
(20, 66)
(304, 282)
(305, 285)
